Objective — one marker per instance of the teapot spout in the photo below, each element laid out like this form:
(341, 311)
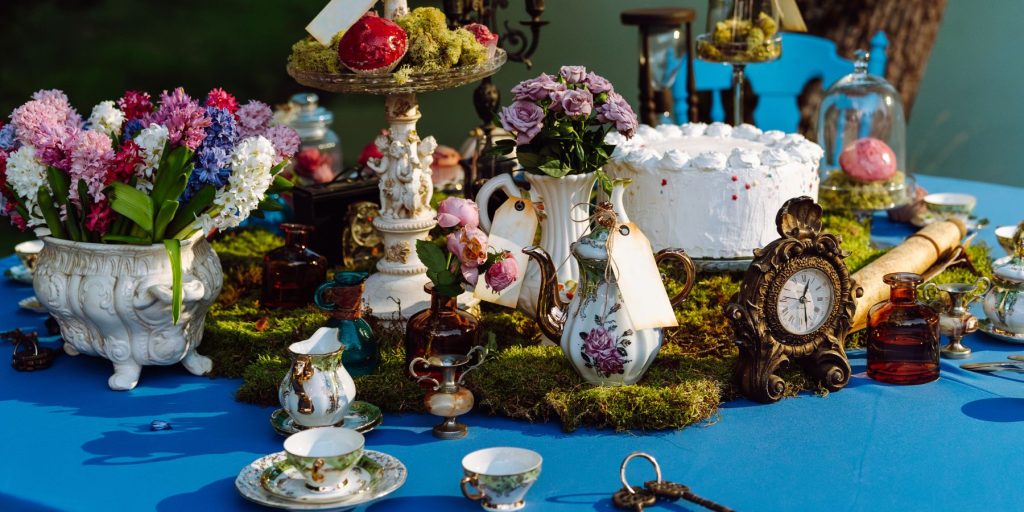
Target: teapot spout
(551, 309)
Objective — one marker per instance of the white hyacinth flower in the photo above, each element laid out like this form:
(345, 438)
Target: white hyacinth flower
(26, 175)
(151, 141)
(251, 163)
(107, 118)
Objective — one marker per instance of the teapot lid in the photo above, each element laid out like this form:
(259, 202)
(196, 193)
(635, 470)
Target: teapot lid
(592, 246)
(1009, 268)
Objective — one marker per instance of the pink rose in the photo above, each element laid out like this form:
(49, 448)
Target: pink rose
(575, 103)
(471, 274)
(469, 245)
(502, 273)
(524, 118)
(617, 110)
(573, 74)
(456, 211)
(602, 352)
(536, 89)
(597, 84)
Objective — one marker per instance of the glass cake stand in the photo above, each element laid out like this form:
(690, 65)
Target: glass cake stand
(395, 291)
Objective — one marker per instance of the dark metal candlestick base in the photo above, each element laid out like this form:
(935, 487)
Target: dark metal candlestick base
(450, 429)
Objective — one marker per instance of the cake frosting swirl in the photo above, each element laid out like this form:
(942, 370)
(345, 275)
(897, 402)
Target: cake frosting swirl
(712, 189)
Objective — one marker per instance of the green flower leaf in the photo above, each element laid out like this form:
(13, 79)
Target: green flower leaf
(432, 256)
(135, 205)
(187, 214)
(45, 201)
(173, 247)
(163, 218)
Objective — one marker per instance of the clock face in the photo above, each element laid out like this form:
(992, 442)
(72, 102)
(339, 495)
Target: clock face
(805, 301)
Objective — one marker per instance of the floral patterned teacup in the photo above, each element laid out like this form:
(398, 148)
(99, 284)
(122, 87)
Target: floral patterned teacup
(324, 455)
(501, 476)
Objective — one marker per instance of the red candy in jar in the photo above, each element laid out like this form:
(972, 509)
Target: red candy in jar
(372, 45)
(868, 160)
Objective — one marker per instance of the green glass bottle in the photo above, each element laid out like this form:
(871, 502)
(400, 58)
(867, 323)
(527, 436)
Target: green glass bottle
(342, 298)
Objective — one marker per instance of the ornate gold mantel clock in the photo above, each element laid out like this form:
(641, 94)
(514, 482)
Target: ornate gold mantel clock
(795, 306)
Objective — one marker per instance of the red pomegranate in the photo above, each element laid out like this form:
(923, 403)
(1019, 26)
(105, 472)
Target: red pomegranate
(372, 45)
(484, 36)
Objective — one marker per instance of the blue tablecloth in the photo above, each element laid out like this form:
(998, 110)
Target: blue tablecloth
(72, 444)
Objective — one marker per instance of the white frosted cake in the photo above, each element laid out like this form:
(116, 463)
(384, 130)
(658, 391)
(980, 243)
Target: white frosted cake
(712, 190)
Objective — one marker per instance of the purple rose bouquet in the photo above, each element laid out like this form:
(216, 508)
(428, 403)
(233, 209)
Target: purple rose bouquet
(560, 123)
(466, 254)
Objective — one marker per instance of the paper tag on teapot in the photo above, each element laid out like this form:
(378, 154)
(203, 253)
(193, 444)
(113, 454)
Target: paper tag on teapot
(514, 226)
(643, 293)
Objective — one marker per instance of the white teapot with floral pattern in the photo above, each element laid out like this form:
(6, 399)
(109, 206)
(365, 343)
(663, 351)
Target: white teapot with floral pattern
(596, 332)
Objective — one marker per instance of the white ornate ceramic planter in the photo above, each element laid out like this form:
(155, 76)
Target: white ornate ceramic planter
(114, 301)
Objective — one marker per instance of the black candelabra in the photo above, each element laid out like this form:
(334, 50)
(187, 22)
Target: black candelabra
(520, 43)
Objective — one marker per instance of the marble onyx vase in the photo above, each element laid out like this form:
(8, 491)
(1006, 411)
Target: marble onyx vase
(114, 301)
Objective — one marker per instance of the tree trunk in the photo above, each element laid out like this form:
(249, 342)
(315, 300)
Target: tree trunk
(911, 25)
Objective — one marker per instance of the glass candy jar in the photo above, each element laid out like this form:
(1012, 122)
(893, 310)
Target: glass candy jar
(903, 335)
(740, 32)
(342, 298)
(319, 156)
(862, 129)
(442, 329)
(292, 272)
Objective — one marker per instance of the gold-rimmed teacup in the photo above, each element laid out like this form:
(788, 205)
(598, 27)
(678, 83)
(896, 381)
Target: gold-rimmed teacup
(501, 476)
(324, 455)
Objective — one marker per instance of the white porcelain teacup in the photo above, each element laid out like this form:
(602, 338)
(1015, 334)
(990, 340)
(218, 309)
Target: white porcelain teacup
(501, 476)
(946, 205)
(324, 455)
(28, 253)
(1004, 235)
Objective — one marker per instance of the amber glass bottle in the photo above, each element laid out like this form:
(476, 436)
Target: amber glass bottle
(292, 272)
(903, 335)
(442, 329)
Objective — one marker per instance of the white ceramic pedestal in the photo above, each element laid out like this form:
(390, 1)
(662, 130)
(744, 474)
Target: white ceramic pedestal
(396, 290)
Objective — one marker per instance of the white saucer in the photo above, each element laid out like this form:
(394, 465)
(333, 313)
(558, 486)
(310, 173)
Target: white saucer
(386, 472)
(19, 273)
(284, 481)
(32, 304)
(985, 326)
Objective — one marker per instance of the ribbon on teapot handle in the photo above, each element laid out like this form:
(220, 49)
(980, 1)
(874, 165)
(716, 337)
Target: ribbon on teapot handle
(631, 260)
(513, 228)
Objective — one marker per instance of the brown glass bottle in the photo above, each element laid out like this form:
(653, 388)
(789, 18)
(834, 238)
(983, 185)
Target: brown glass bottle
(292, 272)
(903, 335)
(442, 329)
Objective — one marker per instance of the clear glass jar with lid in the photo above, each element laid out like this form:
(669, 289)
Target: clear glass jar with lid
(861, 127)
(319, 157)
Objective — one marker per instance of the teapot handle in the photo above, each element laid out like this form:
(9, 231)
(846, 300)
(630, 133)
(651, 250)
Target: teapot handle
(483, 197)
(932, 297)
(689, 270)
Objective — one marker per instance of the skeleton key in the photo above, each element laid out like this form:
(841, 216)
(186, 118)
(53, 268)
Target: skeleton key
(634, 498)
(672, 491)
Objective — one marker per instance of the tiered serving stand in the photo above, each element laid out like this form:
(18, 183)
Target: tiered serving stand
(395, 291)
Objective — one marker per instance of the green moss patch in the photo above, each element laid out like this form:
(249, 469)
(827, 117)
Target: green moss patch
(521, 378)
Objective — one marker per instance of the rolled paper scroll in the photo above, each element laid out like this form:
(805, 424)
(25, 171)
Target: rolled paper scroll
(916, 254)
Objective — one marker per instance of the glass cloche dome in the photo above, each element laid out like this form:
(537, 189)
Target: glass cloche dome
(863, 132)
